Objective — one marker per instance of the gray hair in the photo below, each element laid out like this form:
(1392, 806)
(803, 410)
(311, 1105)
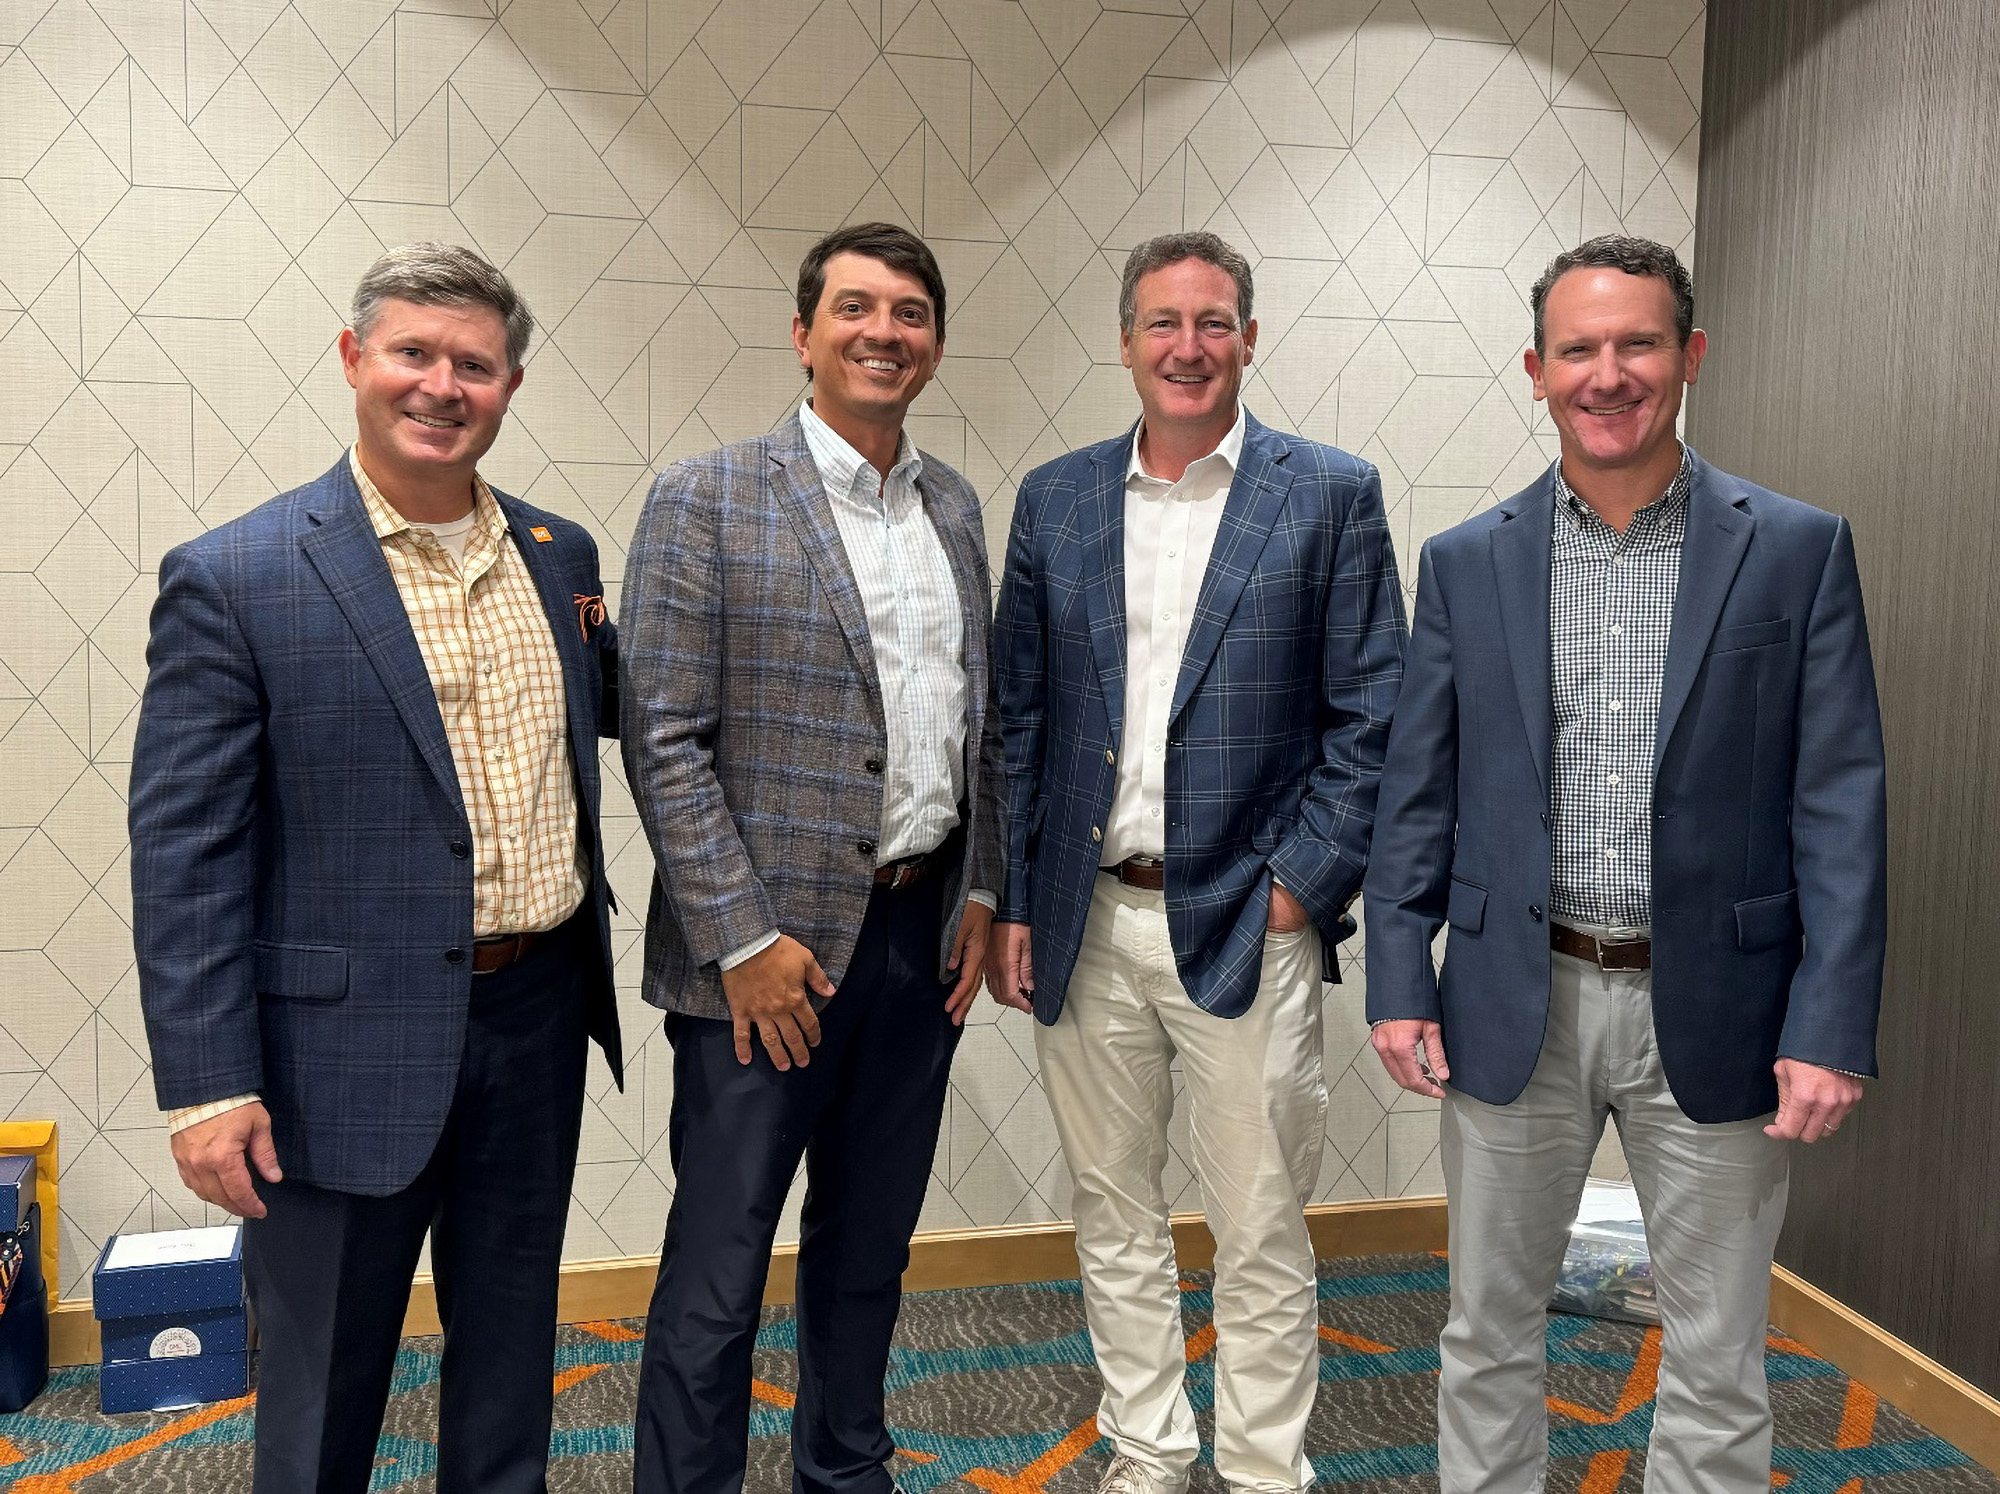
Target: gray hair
(1171, 249)
(1617, 251)
(434, 274)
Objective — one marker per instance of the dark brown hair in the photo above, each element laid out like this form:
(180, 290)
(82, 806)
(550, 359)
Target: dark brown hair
(894, 246)
(1616, 251)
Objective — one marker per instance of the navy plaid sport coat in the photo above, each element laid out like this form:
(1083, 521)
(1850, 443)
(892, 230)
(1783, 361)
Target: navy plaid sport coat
(1280, 715)
(752, 713)
(301, 883)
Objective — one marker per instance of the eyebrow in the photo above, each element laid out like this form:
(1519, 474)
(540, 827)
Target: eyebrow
(906, 300)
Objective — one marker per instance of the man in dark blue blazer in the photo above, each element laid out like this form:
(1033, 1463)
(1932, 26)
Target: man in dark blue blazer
(1637, 768)
(369, 896)
(1199, 641)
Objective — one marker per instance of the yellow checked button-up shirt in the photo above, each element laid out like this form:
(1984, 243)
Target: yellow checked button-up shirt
(486, 642)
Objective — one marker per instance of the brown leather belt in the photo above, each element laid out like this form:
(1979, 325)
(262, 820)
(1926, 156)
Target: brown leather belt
(1147, 873)
(900, 874)
(502, 950)
(1605, 954)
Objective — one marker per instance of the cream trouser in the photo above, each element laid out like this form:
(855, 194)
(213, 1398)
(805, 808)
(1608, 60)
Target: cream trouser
(1256, 1090)
(1713, 1198)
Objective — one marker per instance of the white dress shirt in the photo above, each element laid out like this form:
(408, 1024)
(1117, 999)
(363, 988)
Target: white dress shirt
(916, 626)
(1170, 530)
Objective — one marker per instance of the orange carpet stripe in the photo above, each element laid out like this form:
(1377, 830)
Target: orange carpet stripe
(1604, 1472)
(1779, 1478)
(576, 1374)
(10, 1454)
(773, 1395)
(616, 1333)
(1852, 1486)
(917, 1457)
(1031, 1479)
(1786, 1345)
(1353, 1341)
(1639, 1388)
(1857, 1418)
(64, 1480)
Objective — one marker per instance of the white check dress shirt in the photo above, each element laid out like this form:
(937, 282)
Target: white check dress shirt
(917, 628)
(1170, 530)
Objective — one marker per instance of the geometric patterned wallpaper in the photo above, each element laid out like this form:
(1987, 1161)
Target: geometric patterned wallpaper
(189, 189)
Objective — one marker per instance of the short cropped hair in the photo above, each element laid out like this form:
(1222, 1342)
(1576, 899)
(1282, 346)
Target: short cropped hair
(1171, 249)
(434, 274)
(1617, 251)
(890, 243)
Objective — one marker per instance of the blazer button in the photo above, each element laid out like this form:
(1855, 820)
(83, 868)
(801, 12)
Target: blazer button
(1110, 756)
(1096, 833)
(873, 765)
(1535, 911)
(460, 849)
(454, 956)
(865, 847)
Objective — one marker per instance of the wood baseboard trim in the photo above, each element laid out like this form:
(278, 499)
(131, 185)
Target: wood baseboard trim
(1953, 1408)
(592, 1291)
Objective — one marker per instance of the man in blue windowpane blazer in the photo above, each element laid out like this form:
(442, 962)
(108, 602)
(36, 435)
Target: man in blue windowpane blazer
(1199, 640)
(1637, 768)
(369, 898)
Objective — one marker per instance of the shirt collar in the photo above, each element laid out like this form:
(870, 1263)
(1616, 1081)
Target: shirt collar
(388, 520)
(1230, 450)
(840, 465)
(1663, 509)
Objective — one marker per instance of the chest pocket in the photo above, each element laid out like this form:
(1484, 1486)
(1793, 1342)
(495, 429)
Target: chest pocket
(1751, 635)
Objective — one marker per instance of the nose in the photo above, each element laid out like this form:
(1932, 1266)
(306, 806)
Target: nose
(881, 325)
(440, 381)
(1606, 372)
(1186, 345)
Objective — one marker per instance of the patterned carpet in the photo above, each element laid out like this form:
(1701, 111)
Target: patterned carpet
(993, 1389)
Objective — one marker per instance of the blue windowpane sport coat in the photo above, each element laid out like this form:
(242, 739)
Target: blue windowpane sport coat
(301, 868)
(1770, 908)
(1279, 719)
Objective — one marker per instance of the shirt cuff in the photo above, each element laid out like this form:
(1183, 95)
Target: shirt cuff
(194, 1115)
(743, 952)
(985, 899)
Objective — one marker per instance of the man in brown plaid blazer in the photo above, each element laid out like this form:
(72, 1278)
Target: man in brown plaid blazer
(806, 619)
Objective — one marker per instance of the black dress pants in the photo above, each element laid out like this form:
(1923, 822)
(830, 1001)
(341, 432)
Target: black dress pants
(330, 1272)
(864, 1114)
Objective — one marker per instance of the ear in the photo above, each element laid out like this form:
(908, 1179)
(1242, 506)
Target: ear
(1696, 350)
(800, 331)
(1249, 342)
(350, 355)
(1532, 362)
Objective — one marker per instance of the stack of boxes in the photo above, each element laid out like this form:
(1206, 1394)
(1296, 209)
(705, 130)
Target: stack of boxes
(24, 1294)
(171, 1313)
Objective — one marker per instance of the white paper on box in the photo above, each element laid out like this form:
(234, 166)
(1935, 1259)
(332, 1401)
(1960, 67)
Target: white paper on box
(172, 1247)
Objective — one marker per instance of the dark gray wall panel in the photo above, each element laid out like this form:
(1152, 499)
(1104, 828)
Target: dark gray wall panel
(1846, 268)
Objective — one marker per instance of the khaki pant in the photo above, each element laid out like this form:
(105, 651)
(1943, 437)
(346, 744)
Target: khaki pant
(1713, 1197)
(1256, 1090)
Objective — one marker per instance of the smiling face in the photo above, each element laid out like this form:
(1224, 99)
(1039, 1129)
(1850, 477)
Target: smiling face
(431, 386)
(1613, 369)
(872, 346)
(1187, 348)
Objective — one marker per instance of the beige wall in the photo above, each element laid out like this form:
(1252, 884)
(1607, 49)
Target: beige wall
(188, 189)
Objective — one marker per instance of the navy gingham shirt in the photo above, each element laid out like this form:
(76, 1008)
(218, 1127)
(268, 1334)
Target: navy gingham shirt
(1611, 609)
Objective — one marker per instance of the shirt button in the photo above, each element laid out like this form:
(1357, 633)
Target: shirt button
(1611, 853)
(1163, 681)
(1166, 617)
(1617, 704)
(1616, 629)
(1611, 778)
(1156, 814)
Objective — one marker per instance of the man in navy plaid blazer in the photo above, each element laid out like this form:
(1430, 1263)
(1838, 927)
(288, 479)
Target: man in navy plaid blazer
(369, 899)
(806, 620)
(1200, 640)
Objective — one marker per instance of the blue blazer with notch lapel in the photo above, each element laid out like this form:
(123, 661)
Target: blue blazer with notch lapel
(1769, 834)
(1279, 717)
(301, 867)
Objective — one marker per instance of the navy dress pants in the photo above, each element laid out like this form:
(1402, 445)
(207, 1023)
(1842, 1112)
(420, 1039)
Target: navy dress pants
(330, 1272)
(864, 1114)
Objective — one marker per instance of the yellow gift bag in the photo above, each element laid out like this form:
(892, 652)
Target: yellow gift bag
(38, 1140)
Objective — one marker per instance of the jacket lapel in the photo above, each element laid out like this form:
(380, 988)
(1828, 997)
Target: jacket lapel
(1521, 572)
(1101, 520)
(565, 623)
(1719, 527)
(344, 549)
(801, 497)
(1255, 499)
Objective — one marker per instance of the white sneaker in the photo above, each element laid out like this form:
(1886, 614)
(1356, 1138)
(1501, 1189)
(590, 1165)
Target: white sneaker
(1127, 1475)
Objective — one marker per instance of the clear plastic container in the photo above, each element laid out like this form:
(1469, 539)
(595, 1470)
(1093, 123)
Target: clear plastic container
(1607, 1272)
